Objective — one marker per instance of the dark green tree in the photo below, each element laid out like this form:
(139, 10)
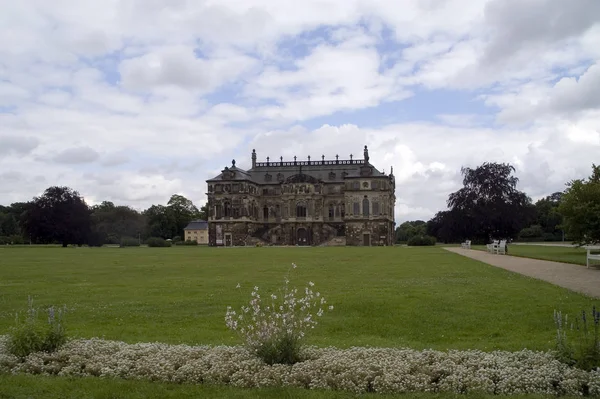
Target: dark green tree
(408, 230)
(160, 222)
(203, 212)
(489, 204)
(182, 211)
(59, 215)
(580, 208)
(112, 223)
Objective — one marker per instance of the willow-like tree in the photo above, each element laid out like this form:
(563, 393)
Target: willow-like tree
(489, 204)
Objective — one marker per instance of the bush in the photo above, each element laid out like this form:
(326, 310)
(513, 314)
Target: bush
(157, 242)
(417, 241)
(584, 351)
(16, 239)
(188, 242)
(4, 240)
(96, 239)
(176, 240)
(130, 242)
(34, 336)
(274, 332)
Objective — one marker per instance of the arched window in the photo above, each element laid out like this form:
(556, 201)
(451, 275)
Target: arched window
(366, 207)
(376, 210)
(227, 209)
(277, 211)
(300, 210)
(265, 213)
(331, 211)
(343, 210)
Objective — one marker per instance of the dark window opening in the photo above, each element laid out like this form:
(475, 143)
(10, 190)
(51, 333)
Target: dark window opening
(365, 205)
(300, 210)
(227, 209)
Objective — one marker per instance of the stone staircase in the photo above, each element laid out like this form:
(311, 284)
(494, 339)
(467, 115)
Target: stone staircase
(335, 242)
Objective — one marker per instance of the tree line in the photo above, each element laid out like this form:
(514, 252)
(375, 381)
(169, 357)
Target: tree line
(61, 216)
(489, 206)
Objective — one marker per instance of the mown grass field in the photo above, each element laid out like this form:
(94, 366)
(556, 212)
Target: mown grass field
(38, 387)
(545, 252)
(391, 296)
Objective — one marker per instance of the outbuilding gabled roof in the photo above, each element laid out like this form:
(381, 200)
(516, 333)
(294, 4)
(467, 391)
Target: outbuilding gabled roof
(197, 225)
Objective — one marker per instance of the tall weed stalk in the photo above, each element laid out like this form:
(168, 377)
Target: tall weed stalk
(34, 335)
(581, 348)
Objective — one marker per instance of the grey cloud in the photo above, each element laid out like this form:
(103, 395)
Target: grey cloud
(10, 176)
(520, 24)
(17, 144)
(76, 155)
(115, 159)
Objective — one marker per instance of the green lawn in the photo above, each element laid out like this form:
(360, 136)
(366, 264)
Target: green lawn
(390, 296)
(558, 254)
(34, 387)
(385, 296)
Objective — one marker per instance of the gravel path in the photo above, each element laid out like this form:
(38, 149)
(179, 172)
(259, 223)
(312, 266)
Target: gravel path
(574, 277)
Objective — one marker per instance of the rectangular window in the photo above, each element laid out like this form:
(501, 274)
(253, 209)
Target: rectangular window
(376, 208)
(235, 188)
(355, 185)
(218, 188)
(356, 208)
(375, 185)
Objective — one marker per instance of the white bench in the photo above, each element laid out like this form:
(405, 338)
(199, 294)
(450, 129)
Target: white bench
(490, 247)
(591, 256)
(466, 244)
(500, 247)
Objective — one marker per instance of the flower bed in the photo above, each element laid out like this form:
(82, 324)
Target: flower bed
(356, 369)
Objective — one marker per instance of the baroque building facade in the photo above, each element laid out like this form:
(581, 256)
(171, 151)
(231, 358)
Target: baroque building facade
(310, 202)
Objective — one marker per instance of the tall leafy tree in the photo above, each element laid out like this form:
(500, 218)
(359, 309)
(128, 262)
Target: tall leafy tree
(203, 212)
(59, 215)
(407, 230)
(580, 208)
(112, 223)
(182, 210)
(160, 222)
(489, 204)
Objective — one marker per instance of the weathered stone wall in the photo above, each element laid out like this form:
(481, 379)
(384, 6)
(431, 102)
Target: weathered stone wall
(379, 231)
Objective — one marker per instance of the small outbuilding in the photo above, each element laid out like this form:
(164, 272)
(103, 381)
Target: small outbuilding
(197, 230)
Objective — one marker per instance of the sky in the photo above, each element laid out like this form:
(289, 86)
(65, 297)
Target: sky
(132, 101)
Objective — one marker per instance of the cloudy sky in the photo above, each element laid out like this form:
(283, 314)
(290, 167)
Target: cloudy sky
(134, 100)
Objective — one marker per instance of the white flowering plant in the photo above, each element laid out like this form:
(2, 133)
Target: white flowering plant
(357, 370)
(274, 327)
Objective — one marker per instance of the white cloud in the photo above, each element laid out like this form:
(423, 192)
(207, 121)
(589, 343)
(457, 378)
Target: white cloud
(179, 66)
(131, 101)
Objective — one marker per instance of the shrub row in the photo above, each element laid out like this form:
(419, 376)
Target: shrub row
(12, 240)
(421, 241)
(157, 242)
(358, 370)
